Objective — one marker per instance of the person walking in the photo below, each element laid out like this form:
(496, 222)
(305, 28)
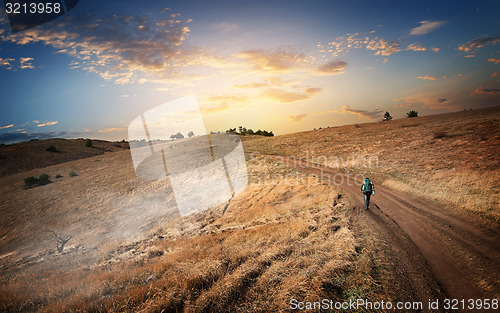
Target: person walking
(367, 189)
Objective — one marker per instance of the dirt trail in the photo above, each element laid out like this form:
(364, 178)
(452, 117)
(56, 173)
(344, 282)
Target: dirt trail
(432, 252)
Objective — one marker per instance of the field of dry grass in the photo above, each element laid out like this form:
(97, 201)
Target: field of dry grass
(275, 242)
(30, 155)
(450, 158)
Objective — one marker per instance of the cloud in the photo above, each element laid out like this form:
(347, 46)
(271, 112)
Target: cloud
(345, 44)
(297, 118)
(273, 61)
(8, 126)
(426, 27)
(363, 113)
(435, 49)
(219, 103)
(287, 60)
(47, 124)
(470, 56)
(416, 47)
(119, 48)
(215, 108)
(284, 95)
(108, 130)
(383, 47)
(495, 74)
(457, 92)
(225, 102)
(235, 98)
(312, 90)
(252, 85)
(441, 100)
(225, 27)
(478, 43)
(496, 61)
(8, 138)
(25, 63)
(268, 82)
(482, 91)
(427, 77)
(407, 102)
(6, 62)
(332, 67)
(276, 81)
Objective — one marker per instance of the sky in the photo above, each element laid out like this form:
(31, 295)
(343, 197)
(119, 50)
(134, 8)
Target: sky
(282, 66)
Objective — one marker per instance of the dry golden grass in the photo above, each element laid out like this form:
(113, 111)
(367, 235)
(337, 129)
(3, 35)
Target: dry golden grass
(451, 158)
(274, 243)
(24, 156)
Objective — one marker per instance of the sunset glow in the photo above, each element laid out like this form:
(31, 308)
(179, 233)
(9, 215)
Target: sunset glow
(275, 65)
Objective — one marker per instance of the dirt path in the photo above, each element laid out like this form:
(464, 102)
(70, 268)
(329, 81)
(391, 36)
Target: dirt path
(432, 252)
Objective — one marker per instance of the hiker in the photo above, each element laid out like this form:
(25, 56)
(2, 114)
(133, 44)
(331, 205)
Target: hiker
(368, 189)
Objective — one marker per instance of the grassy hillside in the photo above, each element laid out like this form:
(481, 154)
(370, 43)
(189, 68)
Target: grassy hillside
(131, 252)
(275, 242)
(25, 156)
(452, 158)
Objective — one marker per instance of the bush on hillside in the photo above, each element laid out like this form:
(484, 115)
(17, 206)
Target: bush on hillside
(412, 114)
(32, 181)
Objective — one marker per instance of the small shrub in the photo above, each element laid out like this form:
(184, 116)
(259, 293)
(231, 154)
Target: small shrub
(412, 114)
(51, 149)
(155, 253)
(32, 181)
(88, 143)
(387, 116)
(72, 174)
(58, 175)
(439, 135)
(43, 179)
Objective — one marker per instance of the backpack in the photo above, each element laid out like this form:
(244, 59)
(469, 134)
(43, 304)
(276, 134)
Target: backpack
(368, 185)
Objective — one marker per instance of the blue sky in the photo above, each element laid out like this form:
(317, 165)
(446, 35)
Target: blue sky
(285, 66)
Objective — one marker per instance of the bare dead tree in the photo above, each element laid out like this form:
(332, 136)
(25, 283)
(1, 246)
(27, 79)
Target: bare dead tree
(60, 241)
